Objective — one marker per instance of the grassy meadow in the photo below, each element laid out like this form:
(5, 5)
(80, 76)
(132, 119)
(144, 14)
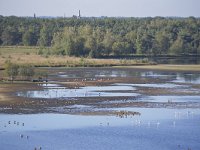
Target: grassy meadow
(29, 55)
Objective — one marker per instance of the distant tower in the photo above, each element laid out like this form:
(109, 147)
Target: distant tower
(34, 15)
(79, 14)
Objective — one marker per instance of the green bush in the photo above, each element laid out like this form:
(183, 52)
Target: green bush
(13, 71)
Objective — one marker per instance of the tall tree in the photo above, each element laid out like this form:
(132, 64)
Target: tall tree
(44, 37)
(177, 47)
(161, 44)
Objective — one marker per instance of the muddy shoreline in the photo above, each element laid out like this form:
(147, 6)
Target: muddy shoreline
(12, 104)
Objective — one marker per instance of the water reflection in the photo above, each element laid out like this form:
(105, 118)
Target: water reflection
(160, 75)
(106, 73)
(158, 85)
(113, 73)
(116, 90)
(171, 81)
(65, 121)
(155, 128)
(179, 60)
(171, 99)
(188, 78)
(89, 91)
(92, 73)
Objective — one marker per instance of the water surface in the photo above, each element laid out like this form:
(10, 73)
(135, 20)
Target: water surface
(156, 128)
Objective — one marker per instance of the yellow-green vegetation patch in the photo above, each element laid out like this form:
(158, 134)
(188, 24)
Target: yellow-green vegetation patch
(29, 55)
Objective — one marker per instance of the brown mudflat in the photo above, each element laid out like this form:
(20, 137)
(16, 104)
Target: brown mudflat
(11, 103)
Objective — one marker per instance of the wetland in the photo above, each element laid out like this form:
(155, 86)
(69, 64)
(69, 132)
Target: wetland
(102, 108)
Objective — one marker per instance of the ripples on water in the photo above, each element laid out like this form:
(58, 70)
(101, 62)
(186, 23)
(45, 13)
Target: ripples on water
(159, 125)
(155, 128)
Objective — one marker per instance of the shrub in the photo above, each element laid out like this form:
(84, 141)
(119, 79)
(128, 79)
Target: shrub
(26, 71)
(11, 70)
(40, 52)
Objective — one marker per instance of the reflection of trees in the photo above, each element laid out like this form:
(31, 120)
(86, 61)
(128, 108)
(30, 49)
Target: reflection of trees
(160, 75)
(189, 77)
(137, 73)
(181, 60)
(112, 73)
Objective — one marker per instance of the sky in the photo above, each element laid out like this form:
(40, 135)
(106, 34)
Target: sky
(97, 8)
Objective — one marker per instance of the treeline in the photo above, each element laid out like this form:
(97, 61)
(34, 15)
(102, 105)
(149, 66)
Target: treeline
(97, 37)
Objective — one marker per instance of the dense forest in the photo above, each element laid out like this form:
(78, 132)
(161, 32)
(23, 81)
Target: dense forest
(98, 37)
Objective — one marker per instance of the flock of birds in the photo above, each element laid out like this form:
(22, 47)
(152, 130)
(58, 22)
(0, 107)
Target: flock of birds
(14, 122)
(135, 122)
(21, 136)
(139, 122)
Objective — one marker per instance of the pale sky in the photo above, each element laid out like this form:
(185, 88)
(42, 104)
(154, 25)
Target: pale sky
(110, 8)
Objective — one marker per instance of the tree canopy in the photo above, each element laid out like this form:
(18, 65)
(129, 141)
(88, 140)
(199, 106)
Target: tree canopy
(97, 37)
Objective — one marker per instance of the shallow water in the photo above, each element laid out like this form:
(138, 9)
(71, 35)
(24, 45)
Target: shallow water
(65, 121)
(107, 72)
(89, 91)
(187, 78)
(93, 73)
(116, 90)
(175, 81)
(171, 98)
(190, 101)
(157, 128)
(158, 85)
